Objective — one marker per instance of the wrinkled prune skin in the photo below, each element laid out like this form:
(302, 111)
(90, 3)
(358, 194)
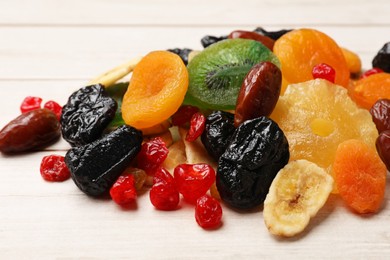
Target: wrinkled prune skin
(183, 53)
(274, 35)
(382, 58)
(217, 133)
(257, 151)
(380, 113)
(209, 39)
(87, 113)
(96, 166)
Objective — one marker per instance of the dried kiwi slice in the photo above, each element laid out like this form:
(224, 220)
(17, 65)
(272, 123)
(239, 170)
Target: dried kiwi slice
(216, 74)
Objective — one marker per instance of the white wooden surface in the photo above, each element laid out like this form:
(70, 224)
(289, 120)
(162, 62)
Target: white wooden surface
(51, 48)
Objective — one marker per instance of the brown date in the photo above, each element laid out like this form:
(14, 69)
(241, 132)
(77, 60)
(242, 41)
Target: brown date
(383, 147)
(259, 92)
(380, 113)
(29, 131)
(268, 42)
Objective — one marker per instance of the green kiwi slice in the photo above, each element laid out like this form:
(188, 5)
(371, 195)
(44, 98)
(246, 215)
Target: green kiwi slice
(216, 74)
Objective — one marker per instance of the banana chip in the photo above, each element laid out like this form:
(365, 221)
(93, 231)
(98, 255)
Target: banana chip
(298, 191)
(195, 151)
(110, 77)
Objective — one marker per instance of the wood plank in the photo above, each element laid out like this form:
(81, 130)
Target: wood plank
(194, 12)
(82, 53)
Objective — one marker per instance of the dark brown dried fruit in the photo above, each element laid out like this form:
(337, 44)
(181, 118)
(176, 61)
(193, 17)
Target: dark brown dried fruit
(87, 113)
(382, 58)
(380, 113)
(259, 92)
(268, 42)
(96, 166)
(29, 131)
(383, 147)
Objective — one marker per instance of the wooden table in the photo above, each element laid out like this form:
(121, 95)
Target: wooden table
(51, 48)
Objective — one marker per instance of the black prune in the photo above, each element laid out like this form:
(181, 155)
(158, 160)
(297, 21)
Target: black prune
(382, 58)
(208, 40)
(274, 35)
(87, 113)
(96, 166)
(257, 151)
(218, 130)
(183, 53)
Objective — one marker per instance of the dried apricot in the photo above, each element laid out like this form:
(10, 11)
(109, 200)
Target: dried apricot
(360, 176)
(367, 91)
(353, 61)
(156, 90)
(300, 50)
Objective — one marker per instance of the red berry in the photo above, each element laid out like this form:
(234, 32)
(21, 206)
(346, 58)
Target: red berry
(197, 125)
(193, 180)
(123, 192)
(324, 71)
(371, 72)
(183, 115)
(163, 193)
(152, 155)
(53, 168)
(30, 103)
(208, 212)
(55, 107)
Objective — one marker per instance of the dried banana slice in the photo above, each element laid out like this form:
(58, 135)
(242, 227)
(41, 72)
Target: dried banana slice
(298, 191)
(195, 151)
(110, 77)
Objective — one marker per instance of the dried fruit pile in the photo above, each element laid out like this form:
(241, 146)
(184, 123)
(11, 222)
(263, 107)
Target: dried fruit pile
(279, 119)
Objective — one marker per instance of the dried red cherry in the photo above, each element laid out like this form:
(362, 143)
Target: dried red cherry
(324, 71)
(163, 194)
(380, 113)
(152, 155)
(371, 72)
(53, 168)
(30, 103)
(208, 212)
(123, 192)
(183, 115)
(55, 107)
(197, 125)
(193, 180)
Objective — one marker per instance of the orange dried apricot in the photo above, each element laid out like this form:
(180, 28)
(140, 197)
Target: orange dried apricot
(360, 176)
(300, 50)
(156, 90)
(366, 91)
(353, 61)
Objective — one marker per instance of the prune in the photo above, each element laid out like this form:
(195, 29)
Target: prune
(380, 113)
(218, 130)
(208, 40)
(382, 58)
(96, 166)
(87, 113)
(257, 151)
(183, 53)
(29, 131)
(268, 42)
(273, 35)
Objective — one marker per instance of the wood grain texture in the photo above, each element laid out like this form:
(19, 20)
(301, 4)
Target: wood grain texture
(51, 48)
